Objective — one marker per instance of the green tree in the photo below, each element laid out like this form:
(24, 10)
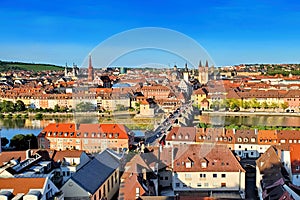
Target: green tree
(56, 108)
(7, 106)
(20, 106)
(254, 103)
(137, 106)
(284, 105)
(264, 105)
(246, 104)
(274, 105)
(22, 142)
(4, 141)
(235, 105)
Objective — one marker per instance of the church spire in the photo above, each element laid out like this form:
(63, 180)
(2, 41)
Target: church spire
(206, 64)
(90, 70)
(200, 64)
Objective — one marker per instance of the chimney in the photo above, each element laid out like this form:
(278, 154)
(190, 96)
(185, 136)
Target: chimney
(233, 130)
(255, 131)
(77, 126)
(28, 153)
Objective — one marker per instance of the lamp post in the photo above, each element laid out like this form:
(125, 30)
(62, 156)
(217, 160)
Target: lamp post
(29, 143)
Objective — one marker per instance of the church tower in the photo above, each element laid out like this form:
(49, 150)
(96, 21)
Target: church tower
(90, 70)
(203, 73)
(186, 73)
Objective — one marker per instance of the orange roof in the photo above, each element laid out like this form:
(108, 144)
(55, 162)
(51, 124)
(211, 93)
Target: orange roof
(9, 155)
(70, 130)
(60, 155)
(295, 158)
(128, 187)
(22, 185)
(218, 158)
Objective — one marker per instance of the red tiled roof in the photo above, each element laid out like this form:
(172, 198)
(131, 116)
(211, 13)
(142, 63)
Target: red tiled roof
(6, 156)
(217, 157)
(295, 158)
(182, 134)
(22, 185)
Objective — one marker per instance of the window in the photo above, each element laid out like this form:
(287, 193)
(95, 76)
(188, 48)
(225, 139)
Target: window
(215, 175)
(177, 184)
(199, 185)
(223, 184)
(188, 176)
(116, 177)
(137, 192)
(223, 175)
(205, 184)
(297, 167)
(166, 178)
(202, 175)
(161, 178)
(99, 194)
(184, 185)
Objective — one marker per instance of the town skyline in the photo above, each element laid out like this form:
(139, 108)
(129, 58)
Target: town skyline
(231, 32)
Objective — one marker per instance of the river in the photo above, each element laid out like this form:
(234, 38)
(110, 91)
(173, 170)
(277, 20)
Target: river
(10, 127)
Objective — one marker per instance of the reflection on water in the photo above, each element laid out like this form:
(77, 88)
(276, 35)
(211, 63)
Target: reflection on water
(11, 127)
(253, 120)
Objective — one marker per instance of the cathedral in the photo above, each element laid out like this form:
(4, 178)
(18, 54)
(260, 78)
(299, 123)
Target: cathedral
(73, 73)
(206, 73)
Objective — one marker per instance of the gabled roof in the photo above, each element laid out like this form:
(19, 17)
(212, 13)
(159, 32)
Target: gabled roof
(60, 155)
(182, 134)
(268, 161)
(218, 158)
(92, 175)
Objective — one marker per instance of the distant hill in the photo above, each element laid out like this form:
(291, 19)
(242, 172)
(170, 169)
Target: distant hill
(6, 66)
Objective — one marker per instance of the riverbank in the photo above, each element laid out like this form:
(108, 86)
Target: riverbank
(245, 113)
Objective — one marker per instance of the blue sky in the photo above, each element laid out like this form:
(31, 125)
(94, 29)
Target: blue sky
(231, 31)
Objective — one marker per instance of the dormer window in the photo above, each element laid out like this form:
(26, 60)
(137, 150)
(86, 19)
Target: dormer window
(203, 164)
(180, 136)
(110, 135)
(93, 134)
(78, 134)
(240, 139)
(61, 133)
(104, 135)
(49, 133)
(246, 140)
(85, 134)
(99, 134)
(253, 139)
(72, 134)
(186, 137)
(116, 135)
(173, 136)
(66, 134)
